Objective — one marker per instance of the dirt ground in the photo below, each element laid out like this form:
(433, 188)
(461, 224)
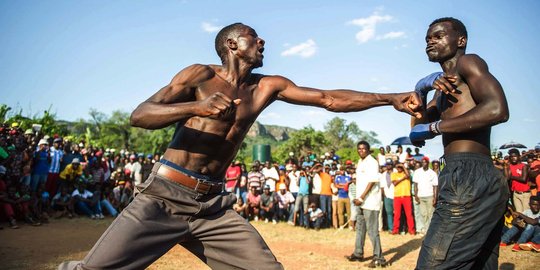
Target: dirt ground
(46, 246)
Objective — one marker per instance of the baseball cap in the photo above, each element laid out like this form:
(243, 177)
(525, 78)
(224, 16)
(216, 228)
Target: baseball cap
(348, 162)
(58, 140)
(266, 186)
(28, 132)
(389, 161)
(43, 141)
(132, 156)
(282, 186)
(75, 161)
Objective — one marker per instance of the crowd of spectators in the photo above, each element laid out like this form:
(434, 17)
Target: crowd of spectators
(43, 177)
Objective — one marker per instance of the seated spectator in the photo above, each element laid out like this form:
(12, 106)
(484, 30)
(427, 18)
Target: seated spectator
(72, 171)
(316, 216)
(284, 199)
(127, 197)
(267, 205)
(20, 202)
(63, 204)
(99, 197)
(526, 223)
(253, 204)
(240, 207)
(84, 203)
(6, 204)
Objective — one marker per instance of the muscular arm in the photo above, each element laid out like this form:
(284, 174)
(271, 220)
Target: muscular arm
(341, 100)
(488, 94)
(431, 113)
(174, 102)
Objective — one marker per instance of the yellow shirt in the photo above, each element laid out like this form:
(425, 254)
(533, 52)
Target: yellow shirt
(404, 187)
(69, 173)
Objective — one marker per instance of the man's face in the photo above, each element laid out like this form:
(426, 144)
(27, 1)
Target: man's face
(267, 164)
(250, 47)
(425, 164)
(363, 151)
(535, 206)
(441, 42)
(435, 165)
(514, 158)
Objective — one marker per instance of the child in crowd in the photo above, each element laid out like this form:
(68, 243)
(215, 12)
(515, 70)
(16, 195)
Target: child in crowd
(316, 216)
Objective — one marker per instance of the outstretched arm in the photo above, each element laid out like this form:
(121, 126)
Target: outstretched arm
(491, 108)
(342, 100)
(176, 101)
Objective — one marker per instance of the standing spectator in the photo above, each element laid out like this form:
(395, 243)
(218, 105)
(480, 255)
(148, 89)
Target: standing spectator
(402, 156)
(436, 167)
(352, 196)
(302, 199)
(41, 165)
(232, 176)
(254, 177)
(425, 183)
(402, 198)
(517, 173)
(267, 205)
(387, 190)
(341, 182)
(368, 200)
(292, 184)
(135, 169)
(381, 156)
(57, 155)
(326, 197)
(72, 152)
(243, 187)
(271, 175)
(417, 155)
(147, 167)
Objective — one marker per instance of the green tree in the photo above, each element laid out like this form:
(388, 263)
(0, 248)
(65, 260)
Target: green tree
(302, 141)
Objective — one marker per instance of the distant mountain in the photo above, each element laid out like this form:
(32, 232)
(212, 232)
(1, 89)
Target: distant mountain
(277, 133)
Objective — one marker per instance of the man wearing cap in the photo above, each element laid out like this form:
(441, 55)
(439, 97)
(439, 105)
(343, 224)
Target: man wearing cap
(135, 168)
(57, 154)
(267, 205)
(41, 165)
(71, 172)
(232, 176)
(425, 182)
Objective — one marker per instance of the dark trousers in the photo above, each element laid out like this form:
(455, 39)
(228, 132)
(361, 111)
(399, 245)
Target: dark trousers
(465, 230)
(164, 214)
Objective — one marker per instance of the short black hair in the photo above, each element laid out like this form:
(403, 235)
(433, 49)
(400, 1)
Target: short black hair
(222, 36)
(534, 199)
(457, 25)
(513, 151)
(365, 143)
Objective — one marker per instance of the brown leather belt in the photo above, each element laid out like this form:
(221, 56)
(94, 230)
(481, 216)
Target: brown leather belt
(199, 185)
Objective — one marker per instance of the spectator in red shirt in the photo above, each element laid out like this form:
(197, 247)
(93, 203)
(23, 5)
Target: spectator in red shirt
(232, 176)
(517, 173)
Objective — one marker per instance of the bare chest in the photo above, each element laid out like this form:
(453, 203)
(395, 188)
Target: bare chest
(456, 104)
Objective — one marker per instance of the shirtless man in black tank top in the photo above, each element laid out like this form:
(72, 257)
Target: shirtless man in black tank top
(466, 227)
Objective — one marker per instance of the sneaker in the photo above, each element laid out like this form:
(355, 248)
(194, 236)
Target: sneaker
(377, 263)
(13, 224)
(274, 222)
(535, 247)
(93, 217)
(354, 258)
(290, 223)
(265, 220)
(526, 246)
(100, 216)
(516, 248)
(256, 218)
(503, 244)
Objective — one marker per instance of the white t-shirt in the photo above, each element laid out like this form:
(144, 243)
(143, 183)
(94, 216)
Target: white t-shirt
(425, 180)
(293, 177)
(530, 214)
(270, 173)
(403, 157)
(317, 184)
(85, 195)
(387, 185)
(381, 159)
(367, 171)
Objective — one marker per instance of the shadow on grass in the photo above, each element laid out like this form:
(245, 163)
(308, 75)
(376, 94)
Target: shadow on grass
(403, 250)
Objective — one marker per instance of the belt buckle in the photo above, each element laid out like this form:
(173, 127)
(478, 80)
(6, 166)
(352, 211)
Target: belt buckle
(202, 181)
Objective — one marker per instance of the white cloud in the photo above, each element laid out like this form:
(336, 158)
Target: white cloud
(270, 115)
(368, 25)
(210, 28)
(304, 50)
(392, 35)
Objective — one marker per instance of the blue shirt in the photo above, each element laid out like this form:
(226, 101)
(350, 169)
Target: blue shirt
(303, 189)
(41, 165)
(342, 180)
(56, 156)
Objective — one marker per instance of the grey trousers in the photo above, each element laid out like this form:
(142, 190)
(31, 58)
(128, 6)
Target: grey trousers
(164, 214)
(426, 212)
(367, 221)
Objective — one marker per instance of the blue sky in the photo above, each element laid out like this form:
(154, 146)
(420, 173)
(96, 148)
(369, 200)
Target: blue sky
(109, 55)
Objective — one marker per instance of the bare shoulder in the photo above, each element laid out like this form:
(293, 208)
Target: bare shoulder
(194, 74)
(471, 64)
(274, 82)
